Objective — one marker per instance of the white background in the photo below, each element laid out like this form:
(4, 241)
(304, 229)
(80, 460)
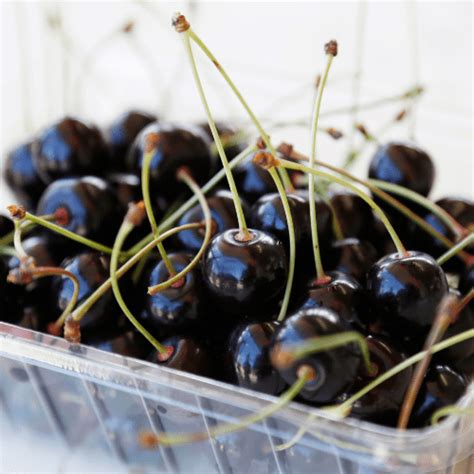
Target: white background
(271, 49)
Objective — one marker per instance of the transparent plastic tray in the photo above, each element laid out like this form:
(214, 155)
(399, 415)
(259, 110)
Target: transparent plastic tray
(70, 408)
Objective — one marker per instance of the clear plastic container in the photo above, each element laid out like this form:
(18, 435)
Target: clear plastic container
(69, 408)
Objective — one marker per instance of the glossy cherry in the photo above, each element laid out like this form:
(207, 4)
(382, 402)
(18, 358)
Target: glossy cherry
(22, 176)
(382, 404)
(335, 369)
(221, 205)
(88, 207)
(122, 132)
(354, 257)
(250, 359)
(178, 306)
(245, 277)
(177, 147)
(461, 209)
(441, 387)
(405, 291)
(340, 293)
(67, 148)
(186, 355)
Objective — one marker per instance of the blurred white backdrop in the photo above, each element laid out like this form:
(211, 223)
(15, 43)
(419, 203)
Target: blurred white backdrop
(76, 58)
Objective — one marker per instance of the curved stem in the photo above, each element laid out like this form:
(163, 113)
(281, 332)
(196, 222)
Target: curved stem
(450, 410)
(82, 310)
(456, 249)
(152, 440)
(17, 240)
(244, 232)
(8, 251)
(123, 232)
(292, 243)
(149, 209)
(336, 225)
(284, 175)
(396, 240)
(311, 184)
(184, 176)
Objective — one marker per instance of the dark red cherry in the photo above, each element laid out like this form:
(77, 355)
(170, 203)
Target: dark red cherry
(186, 355)
(466, 281)
(461, 209)
(67, 148)
(380, 238)
(122, 132)
(405, 291)
(88, 207)
(403, 164)
(335, 369)
(178, 306)
(354, 215)
(342, 294)
(250, 359)
(126, 343)
(354, 257)
(245, 277)
(6, 225)
(223, 214)
(441, 387)
(178, 146)
(22, 176)
(382, 404)
(126, 187)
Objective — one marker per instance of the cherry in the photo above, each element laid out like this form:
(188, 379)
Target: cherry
(441, 387)
(250, 359)
(354, 216)
(335, 369)
(466, 281)
(405, 291)
(340, 293)
(245, 277)
(22, 176)
(222, 209)
(354, 257)
(460, 208)
(180, 305)
(403, 164)
(126, 343)
(88, 207)
(6, 225)
(122, 132)
(67, 148)
(176, 147)
(126, 187)
(11, 297)
(186, 355)
(226, 133)
(382, 404)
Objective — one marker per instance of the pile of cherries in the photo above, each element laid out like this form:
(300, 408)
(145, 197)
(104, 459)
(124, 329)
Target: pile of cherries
(220, 319)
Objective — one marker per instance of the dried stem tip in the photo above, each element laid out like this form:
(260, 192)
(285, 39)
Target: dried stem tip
(361, 128)
(72, 330)
(148, 440)
(260, 143)
(128, 27)
(281, 358)
(17, 212)
(334, 133)
(265, 160)
(151, 142)
(401, 115)
(180, 23)
(136, 213)
(331, 48)
(286, 149)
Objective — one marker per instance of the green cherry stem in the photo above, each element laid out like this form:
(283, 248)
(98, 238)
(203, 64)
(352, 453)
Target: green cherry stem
(150, 148)
(450, 410)
(134, 215)
(175, 215)
(456, 249)
(376, 208)
(82, 310)
(283, 174)
(331, 52)
(183, 175)
(152, 440)
(8, 251)
(17, 240)
(244, 233)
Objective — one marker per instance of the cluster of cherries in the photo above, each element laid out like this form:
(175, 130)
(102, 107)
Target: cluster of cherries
(222, 318)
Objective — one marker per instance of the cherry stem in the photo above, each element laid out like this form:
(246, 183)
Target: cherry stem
(336, 225)
(287, 354)
(311, 184)
(390, 200)
(148, 156)
(292, 242)
(151, 440)
(344, 408)
(26, 228)
(244, 232)
(376, 208)
(447, 309)
(7, 251)
(184, 176)
(82, 310)
(436, 210)
(17, 240)
(266, 139)
(456, 249)
(125, 229)
(450, 410)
